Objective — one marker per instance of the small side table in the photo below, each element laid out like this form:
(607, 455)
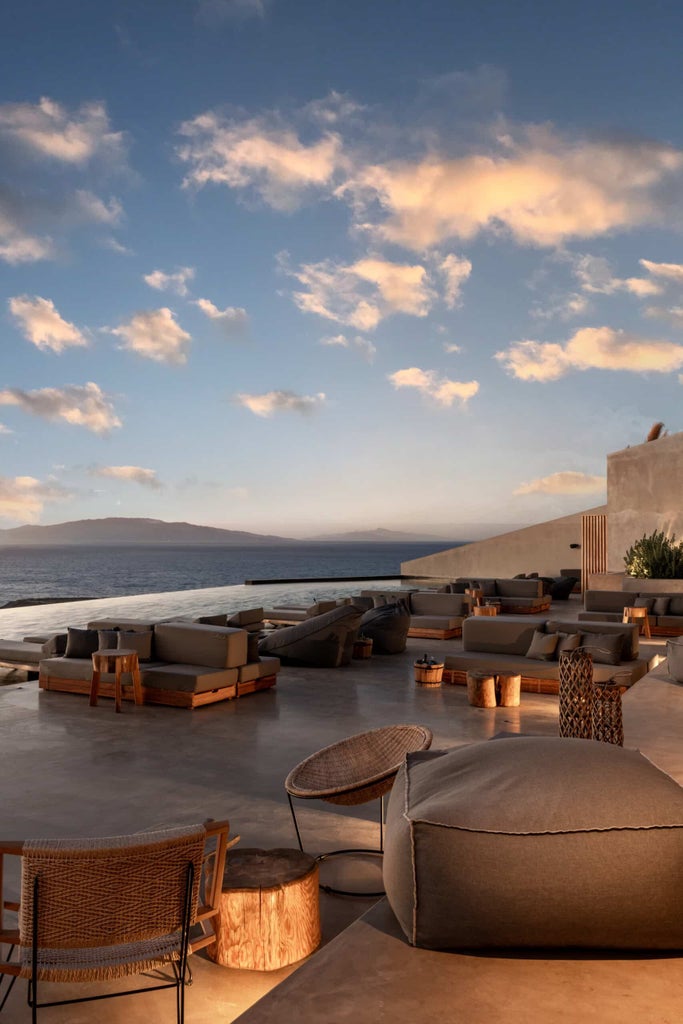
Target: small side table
(362, 648)
(476, 594)
(486, 609)
(639, 616)
(116, 662)
(269, 910)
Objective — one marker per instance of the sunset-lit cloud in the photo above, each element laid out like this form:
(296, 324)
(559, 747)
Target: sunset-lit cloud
(136, 474)
(360, 344)
(595, 275)
(155, 334)
(18, 243)
(280, 401)
(670, 272)
(451, 348)
(440, 389)
(232, 319)
(41, 324)
(47, 129)
(455, 271)
(23, 498)
(566, 482)
(82, 405)
(176, 282)
(591, 348)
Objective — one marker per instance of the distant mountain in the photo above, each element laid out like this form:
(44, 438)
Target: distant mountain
(382, 536)
(125, 531)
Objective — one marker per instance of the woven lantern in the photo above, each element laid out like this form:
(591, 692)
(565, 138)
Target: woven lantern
(576, 694)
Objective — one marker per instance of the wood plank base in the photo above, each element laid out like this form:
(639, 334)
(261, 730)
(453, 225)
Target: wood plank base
(435, 634)
(150, 695)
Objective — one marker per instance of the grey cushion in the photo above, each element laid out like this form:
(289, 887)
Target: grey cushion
(81, 643)
(54, 646)
(674, 659)
(660, 606)
(194, 644)
(644, 602)
(387, 627)
(604, 648)
(107, 639)
(627, 630)
(676, 605)
(188, 678)
(138, 641)
(567, 642)
(543, 646)
(566, 863)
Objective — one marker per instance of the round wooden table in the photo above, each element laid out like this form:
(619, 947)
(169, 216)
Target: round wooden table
(115, 661)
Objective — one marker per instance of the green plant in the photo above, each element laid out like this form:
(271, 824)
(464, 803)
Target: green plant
(655, 557)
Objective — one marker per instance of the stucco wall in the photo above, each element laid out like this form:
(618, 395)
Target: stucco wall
(542, 548)
(644, 493)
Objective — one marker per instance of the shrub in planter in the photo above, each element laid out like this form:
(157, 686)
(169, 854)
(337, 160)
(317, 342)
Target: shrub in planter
(655, 557)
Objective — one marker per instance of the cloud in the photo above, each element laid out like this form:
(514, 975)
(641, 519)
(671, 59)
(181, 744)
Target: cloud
(17, 243)
(451, 348)
(259, 154)
(139, 475)
(668, 271)
(534, 185)
(362, 345)
(595, 275)
(215, 12)
(155, 335)
(5, 430)
(93, 210)
(363, 293)
(42, 325)
(47, 129)
(455, 271)
(24, 497)
(566, 482)
(563, 307)
(440, 389)
(280, 401)
(83, 405)
(170, 282)
(232, 319)
(591, 348)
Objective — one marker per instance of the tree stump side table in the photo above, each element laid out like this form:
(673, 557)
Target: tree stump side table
(481, 689)
(362, 648)
(508, 687)
(269, 910)
(116, 661)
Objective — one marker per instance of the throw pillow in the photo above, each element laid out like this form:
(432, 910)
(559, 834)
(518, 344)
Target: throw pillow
(661, 606)
(543, 646)
(674, 659)
(137, 641)
(644, 602)
(567, 642)
(55, 646)
(252, 647)
(81, 643)
(676, 605)
(107, 639)
(604, 648)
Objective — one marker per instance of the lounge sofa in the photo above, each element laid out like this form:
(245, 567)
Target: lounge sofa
(501, 644)
(433, 616)
(665, 611)
(250, 619)
(289, 614)
(323, 641)
(189, 664)
(516, 596)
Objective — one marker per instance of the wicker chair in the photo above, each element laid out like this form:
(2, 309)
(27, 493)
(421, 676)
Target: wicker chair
(354, 771)
(97, 909)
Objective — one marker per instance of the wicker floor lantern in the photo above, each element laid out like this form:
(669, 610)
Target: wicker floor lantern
(608, 723)
(576, 694)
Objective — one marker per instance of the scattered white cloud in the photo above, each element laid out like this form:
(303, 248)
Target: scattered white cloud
(116, 246)
(595, 275)
(42, 325)
(562, 307)
(668, 271)
(455, 271)
(672, 314)
(83, 405)
(48, 130)
(17, 243)
(154, 334)
(170, 282)
(591, 348)
(451, 348)
(439, 389)
(5, 430)
(137, 474)
(362, 345)
(280, 401)
(94, 210)
(233, 319)
(24, 497)
(566, 482)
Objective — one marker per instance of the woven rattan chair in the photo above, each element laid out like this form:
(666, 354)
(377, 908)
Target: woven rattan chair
(98, 909)
(354, 771)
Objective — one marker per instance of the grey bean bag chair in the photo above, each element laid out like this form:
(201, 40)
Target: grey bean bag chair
(325, 641)
(387, 627)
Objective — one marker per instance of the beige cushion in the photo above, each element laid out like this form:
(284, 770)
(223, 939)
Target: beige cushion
(194, 644)
(258, 669)
(604, 648)
(511, 843)
(567, 642)
(543, 646)
(188, 678)
(137, 640)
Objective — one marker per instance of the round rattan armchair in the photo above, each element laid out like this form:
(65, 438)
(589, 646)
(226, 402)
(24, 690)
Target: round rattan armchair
(354, 771)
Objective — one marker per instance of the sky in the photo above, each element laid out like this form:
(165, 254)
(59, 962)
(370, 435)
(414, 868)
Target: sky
(294, 266)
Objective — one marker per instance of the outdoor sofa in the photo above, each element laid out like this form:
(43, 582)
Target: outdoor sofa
(183, 664)
(501, 644)
(665, 611)
(322, 641)
(290, 614)
(516, 596)
(433, 616)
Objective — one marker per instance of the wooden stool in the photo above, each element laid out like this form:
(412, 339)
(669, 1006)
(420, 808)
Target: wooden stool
(476, 594)
(362, 648)
(641, 617)
(481, 689)
(269, 910)
(508, 686)
(485, 609)
(118, 662)
(428, 673)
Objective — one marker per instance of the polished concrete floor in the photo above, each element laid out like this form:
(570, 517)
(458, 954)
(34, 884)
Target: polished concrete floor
(68, 769)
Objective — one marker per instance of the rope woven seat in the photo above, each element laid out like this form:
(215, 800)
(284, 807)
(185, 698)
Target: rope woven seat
(354, 771)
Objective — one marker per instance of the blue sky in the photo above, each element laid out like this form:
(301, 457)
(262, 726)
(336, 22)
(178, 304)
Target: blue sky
(294, 267)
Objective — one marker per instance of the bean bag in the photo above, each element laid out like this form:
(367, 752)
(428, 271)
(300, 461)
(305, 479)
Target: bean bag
(387, 626)
(325, 641)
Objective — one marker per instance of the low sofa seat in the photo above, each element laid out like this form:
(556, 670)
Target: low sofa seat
(665, 611)
(189, 664)
(250, 619)
(290, 614)
(501, 644)
(323, 641)
(516, 596)
(433, 615)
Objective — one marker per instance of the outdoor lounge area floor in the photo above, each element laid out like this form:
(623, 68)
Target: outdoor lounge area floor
(70, 770)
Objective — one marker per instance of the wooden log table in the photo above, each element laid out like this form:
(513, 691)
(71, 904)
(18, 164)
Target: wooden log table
(481, 689)
(362, 648)
(508, 686)
(269, 910)
(116, 661)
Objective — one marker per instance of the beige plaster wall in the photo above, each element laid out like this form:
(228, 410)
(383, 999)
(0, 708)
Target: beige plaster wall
(542, 548)
(644, 493)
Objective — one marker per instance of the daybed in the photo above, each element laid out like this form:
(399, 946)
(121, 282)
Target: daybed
(290, 614)
(433, 616)
(517, 597)
(182, 664)
(325, 641)
(250, 619)
(501, 644)
(665, 611)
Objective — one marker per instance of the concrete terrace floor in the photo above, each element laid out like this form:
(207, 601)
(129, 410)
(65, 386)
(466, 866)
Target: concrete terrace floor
(70, 770)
